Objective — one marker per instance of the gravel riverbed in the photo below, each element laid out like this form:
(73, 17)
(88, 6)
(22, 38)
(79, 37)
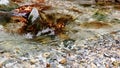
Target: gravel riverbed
(81, 46)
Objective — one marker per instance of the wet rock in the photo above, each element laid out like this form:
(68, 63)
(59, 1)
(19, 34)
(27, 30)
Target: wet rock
(34, 14)
(107, 55)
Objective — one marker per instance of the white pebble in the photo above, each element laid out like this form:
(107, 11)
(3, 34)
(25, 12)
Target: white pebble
(113, 59)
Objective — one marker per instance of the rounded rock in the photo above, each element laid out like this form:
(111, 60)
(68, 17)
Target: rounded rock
(46, 54)
(63, 61)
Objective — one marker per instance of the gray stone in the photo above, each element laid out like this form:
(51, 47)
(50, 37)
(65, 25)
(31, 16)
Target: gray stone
(33, 15)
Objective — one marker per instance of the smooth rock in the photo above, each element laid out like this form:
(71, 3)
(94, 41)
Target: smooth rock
(46, 54)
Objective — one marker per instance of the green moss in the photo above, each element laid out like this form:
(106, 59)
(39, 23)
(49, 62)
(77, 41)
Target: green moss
(100, 16)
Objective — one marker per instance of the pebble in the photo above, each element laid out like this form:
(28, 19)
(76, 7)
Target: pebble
(93, 65)
(23, 58)
(47, 65)
(46, 54)
(33, 61)
(63, 61)
(113, 59)
(117, 41)
(106, 55)
(116, 63)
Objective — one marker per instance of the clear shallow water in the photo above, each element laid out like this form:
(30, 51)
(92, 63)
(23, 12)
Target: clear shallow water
(89, 42)
(74, 30)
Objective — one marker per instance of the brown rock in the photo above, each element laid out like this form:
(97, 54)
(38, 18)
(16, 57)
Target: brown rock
(33, 61)
(47, 65)
(63, 61)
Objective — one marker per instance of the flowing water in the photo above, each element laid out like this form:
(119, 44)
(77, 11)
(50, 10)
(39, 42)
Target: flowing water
(79, 29)
(89, 22)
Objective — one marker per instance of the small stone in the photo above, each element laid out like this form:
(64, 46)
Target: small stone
(113, 59)
(117, 42)
(1, 64)
(23, 58)
(115, 63)
(47, 65)
(106, 55)
(63, 61)
(33, 61)
(46, 54)
(93, 65)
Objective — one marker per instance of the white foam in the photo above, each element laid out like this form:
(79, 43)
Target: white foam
(5, 2)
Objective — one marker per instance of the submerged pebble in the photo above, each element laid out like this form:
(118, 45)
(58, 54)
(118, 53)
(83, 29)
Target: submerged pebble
(46, 54)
